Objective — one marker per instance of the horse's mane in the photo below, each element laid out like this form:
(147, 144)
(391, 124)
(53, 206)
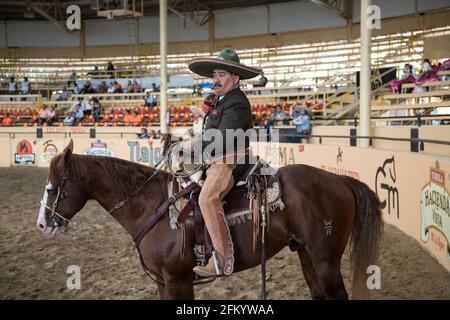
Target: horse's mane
(126, 174)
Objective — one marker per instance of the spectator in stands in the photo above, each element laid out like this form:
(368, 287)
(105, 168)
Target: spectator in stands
(43, 114)
(51, 116)
(143, 134)
(303, 123)
(117, 87)
(148, 100)
(281, 116)
(69, 120)
(154, 96)
(426, 69)
(88, 106)
(270, 124)
(77, 89)
(97, 109)
(79, 114)
(64, 95)
(110, 88)
(129, 86)
(136, 119)
(135, 87)
(127, 117)
(12, 87)
(111, 69)
(25, 87)
(87, 88)
(102, 87)
(72, 80)
(7, 121)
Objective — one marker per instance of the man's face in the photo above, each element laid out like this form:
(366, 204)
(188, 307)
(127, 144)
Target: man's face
(224, 81)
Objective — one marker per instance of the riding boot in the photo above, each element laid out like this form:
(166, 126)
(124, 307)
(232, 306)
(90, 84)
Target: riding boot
(218, 182)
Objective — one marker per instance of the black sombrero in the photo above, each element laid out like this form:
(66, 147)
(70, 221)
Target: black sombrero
(226, 60)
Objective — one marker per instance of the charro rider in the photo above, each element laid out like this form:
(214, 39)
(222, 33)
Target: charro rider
(231, 110)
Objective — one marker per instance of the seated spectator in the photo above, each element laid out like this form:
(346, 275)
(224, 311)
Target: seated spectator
(117, 87)
(43, 114)
(154, 88)
(426, 69)
(143, 134)
(303, 126)
(79, 114)
(88, 106)
(406, 77)
(77, 103)
(129, 86)
(281, 117)
(72, 80)
(69, 120)
(64, 95)
(7, 121)
(303, 123)
(135, 87)
(87, 88)
(77, 89)
(102, 87)
(110, 88)
(51, 116)
(127, 117)
(135, 119)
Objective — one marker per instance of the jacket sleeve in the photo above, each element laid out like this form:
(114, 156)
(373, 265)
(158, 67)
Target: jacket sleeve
(234, 116)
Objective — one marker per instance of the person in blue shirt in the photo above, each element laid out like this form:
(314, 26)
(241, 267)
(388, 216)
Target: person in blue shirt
(303, 123)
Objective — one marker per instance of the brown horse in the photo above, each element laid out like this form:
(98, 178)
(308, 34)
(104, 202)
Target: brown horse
(321, 211)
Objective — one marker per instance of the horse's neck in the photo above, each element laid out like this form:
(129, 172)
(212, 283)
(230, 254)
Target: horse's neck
(137, 209)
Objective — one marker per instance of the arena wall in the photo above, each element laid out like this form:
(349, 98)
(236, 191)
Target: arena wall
(413, 187)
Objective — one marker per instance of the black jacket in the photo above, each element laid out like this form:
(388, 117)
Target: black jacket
(231, 112)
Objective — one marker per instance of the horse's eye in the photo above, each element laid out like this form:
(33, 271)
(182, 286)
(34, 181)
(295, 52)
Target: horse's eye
(51, 191)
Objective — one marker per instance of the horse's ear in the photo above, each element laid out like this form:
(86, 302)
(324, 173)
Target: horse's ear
(68, 153)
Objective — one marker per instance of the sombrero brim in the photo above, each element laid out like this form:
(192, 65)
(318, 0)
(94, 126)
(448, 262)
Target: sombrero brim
(205, 66)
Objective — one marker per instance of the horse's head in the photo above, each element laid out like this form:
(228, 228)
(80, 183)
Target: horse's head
(63, 195)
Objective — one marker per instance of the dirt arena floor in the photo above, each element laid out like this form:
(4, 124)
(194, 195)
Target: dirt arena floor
(34, 267)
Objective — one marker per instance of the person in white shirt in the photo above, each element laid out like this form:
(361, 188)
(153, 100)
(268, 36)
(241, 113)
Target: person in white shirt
(426, 69)
(12, 87)
(25, 87)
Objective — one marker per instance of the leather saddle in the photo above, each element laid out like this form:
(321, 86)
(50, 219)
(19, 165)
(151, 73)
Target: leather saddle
(255, 182)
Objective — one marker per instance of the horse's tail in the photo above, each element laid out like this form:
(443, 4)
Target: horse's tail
(366, 234)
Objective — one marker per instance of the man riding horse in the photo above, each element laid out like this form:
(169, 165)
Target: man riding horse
(230, 110)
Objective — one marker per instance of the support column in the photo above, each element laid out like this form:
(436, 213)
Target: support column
(365, 76)
(163, 64)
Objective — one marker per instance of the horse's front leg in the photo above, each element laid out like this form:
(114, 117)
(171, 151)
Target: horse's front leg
(177, 288)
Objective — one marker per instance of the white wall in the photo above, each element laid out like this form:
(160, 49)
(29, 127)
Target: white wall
(184, 30)
(390, 8)
(106, 32)
(39, 34)
(282, 17)
(246, 21)
(424, 5)
(110, 32)
(302, 15)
